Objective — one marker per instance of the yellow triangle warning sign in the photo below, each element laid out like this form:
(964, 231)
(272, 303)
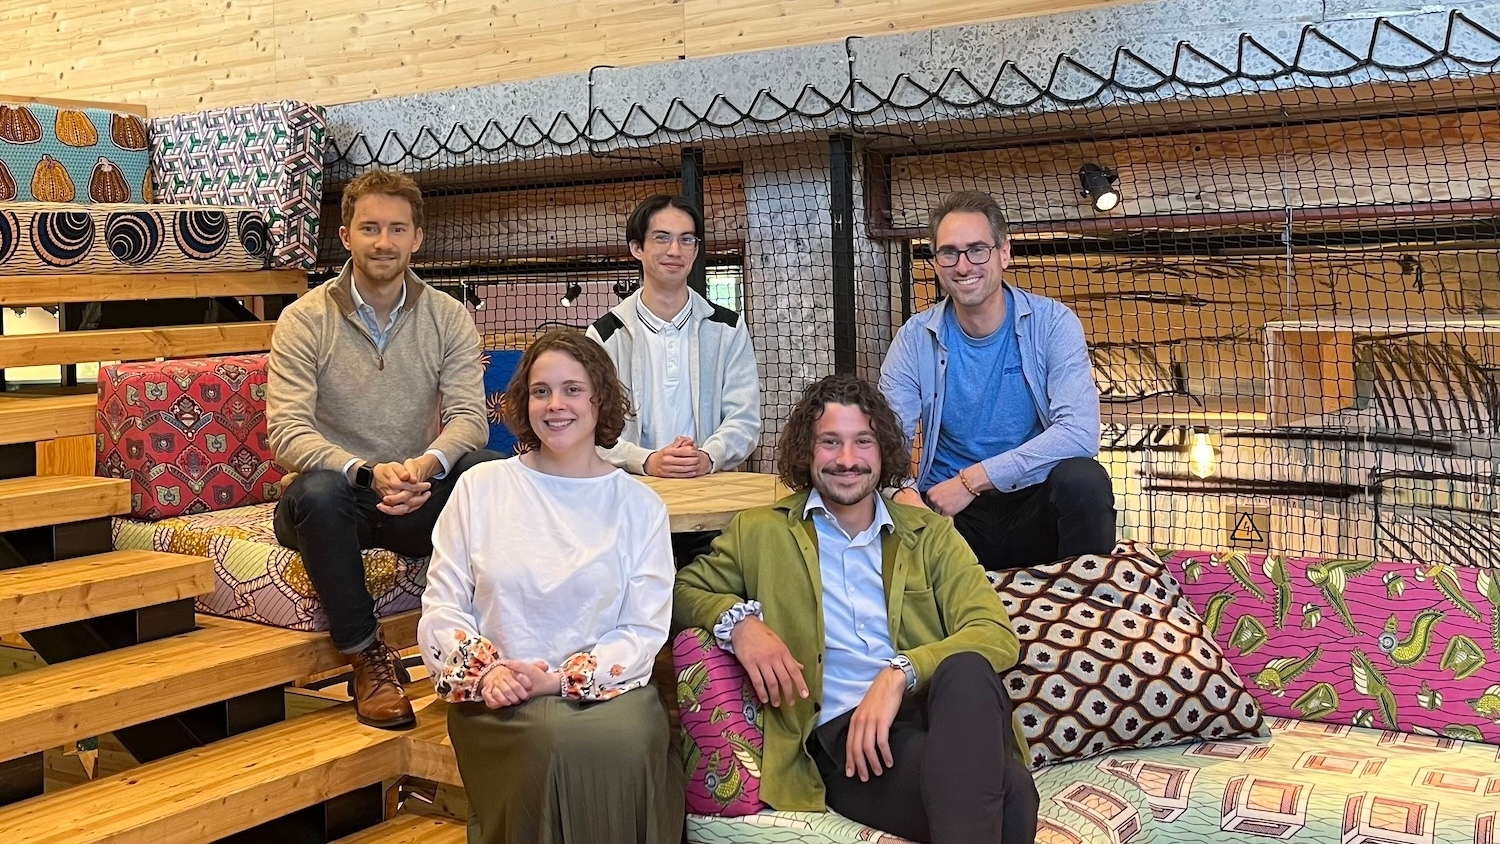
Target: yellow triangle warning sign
(1245, 529)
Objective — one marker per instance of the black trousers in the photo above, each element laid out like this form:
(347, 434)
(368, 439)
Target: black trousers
(958, 777)
(330, 522)
(686, 547)
(1069, 514)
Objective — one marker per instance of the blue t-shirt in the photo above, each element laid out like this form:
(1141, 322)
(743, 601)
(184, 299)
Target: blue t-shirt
(987, 407)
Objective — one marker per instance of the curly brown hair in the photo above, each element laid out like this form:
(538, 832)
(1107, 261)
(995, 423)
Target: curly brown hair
(795, 450)
(609, 399)
(386, 183)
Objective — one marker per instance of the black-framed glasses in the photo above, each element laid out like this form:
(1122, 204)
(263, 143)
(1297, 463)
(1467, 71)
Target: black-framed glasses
(978, 254)
(687, 241)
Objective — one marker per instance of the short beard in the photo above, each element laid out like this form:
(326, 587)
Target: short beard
(367, 270)
(860, 493)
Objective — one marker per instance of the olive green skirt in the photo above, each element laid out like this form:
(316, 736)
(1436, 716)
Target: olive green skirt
(556, 771)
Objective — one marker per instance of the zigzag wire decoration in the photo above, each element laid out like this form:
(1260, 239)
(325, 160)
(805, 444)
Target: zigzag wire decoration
(849, 105)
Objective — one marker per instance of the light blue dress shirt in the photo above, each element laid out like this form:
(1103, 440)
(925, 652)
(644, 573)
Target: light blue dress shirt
(362, 309)
(857, 632)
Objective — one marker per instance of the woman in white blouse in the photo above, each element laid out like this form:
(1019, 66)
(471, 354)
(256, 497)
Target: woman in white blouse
(548, 598)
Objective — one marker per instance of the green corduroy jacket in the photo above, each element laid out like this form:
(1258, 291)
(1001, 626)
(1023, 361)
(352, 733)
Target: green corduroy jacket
(938, 603)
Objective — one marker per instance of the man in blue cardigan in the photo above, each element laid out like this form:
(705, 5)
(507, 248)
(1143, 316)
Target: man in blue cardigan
(1000, 382)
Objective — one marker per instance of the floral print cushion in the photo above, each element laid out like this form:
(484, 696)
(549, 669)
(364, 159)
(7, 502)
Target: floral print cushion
(1408, 647)
(1114, 656)
(722, 726)
(256, 579)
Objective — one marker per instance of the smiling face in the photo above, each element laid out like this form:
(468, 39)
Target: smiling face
(846, 455)
(665, 266)
(561, 406)
(970, 285)
(381, 238)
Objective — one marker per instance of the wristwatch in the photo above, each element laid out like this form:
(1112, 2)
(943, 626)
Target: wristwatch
(364, 476)
(902, 662)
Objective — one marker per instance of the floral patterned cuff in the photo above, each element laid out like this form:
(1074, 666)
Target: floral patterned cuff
(732, 616)
(579, 683)
(464, 666)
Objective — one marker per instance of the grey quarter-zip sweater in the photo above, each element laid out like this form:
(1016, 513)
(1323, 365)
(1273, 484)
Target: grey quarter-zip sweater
(333, 396)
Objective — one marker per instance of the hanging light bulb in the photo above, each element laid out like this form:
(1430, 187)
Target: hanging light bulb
(1203, 458)
(574, 291)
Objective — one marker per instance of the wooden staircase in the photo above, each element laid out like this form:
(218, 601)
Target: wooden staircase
(199, 702)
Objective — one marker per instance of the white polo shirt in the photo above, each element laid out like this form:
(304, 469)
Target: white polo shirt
(666, 406)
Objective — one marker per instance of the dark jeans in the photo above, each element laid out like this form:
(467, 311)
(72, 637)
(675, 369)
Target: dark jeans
(958, 777)
(330, 521)
(1069, 514)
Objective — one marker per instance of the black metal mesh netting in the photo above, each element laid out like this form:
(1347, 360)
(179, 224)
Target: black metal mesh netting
(1290, 311)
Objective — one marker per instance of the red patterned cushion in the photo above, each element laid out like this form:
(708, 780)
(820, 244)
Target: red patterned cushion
(189, 435)
(722, 725)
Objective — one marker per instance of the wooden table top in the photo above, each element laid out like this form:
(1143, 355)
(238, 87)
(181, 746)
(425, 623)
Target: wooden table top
(710, 501)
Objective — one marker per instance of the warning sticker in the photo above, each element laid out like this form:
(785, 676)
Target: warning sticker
(1249, 528)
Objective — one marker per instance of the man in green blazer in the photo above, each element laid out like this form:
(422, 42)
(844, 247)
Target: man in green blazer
(870, 630)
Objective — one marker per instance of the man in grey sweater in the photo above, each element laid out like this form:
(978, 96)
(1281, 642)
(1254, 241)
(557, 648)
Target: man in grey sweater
(376, 400)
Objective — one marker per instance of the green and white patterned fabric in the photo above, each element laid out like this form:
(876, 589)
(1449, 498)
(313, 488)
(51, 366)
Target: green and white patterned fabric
(267, 155)
(1312, 783)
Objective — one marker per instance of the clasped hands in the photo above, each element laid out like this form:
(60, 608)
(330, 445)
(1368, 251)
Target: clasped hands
(515, 681)
(682, 459)
(404, 487)
(777, 678)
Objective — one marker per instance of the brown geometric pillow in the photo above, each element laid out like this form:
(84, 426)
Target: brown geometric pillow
(1113, 656)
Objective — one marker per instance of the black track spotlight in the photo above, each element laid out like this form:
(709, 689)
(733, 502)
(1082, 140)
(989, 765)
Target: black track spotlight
(472, 297)
(1099, 186)
(574, 291)
(623, 287)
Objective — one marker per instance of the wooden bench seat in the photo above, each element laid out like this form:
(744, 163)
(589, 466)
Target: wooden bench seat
(411, 829)
(32, 597)
(57, 704)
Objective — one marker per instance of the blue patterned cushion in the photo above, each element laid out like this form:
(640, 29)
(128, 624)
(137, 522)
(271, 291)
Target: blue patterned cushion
(499, 366)
(48, 154)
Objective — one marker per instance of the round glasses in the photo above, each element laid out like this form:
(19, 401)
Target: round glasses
(948, 256)
(686, 241)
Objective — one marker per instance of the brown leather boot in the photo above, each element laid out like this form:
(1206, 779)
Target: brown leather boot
(379, 700)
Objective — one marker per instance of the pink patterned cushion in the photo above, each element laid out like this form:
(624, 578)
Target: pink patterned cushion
(189, 435)
(1409, 648)
(722, 726)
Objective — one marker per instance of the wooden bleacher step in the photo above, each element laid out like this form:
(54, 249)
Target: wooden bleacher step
(429, 753)
(41, 501)
(185, 341)
(411, 829)
(51, 706)
(25, 419)
(33, 597)
(113, 287)
(217, 790)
